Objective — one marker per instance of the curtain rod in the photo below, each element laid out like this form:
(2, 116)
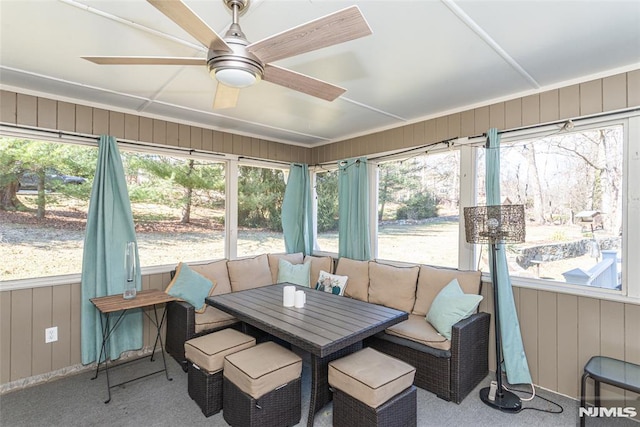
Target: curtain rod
(280, 162)
(561, 121)
(92, 139)
(450, 141)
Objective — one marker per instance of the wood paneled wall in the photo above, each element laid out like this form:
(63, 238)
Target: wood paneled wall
(562, 332)
(26, 313)
(27, 110)
(607, 94)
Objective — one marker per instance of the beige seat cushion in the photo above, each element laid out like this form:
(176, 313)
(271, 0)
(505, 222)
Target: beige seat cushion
(263, 368)
(358, 277)
(324, 263)
(217, 272)
(416, 328)
(370, 376)
(249, 273)
(392, 286)
(213, 318)
(432, 280)
(274, 259)
(208, 351)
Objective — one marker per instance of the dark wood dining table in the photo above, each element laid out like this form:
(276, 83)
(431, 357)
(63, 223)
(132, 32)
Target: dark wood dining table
(327, 327)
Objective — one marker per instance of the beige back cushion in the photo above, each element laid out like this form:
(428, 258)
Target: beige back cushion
(274, 259)
(431, 281)
(324, 263)
(216, 272)
(249, 273)
(391, 286)
(358, 277)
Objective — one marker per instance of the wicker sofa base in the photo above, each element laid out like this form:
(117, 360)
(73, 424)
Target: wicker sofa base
(451, 378)
(399, 411)
(205, 389)
(277, 408)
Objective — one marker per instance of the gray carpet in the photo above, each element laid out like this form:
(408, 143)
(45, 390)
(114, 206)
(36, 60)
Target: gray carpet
(153, 401)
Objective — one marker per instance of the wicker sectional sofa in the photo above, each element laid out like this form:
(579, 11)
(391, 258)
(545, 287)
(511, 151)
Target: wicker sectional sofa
(450, 368)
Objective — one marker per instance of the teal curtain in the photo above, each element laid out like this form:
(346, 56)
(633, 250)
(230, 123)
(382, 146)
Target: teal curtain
(515, 360)
(297, 225)
(353, 209)
(109, 228)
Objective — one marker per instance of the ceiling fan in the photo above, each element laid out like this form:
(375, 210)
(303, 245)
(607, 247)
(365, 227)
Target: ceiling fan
(235, 63)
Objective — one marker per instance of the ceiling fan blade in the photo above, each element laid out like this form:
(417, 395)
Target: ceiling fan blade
(144, 60)
(301, 83)
(182, 15)
(226, 97)
(338, 27)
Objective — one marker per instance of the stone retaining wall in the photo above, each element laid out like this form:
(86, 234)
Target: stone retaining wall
(559, 251)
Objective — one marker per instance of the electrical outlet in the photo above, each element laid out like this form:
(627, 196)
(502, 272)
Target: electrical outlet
(51, 334)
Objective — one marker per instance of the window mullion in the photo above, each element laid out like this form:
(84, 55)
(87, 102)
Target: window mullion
(231, 220)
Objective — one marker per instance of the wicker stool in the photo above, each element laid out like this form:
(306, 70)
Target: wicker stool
(372, 389)
(205, 356)
(261, 387)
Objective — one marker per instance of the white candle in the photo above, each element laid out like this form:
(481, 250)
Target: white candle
(288, 296)
(299, 299)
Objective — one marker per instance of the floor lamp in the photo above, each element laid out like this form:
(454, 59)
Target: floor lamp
(496, 225)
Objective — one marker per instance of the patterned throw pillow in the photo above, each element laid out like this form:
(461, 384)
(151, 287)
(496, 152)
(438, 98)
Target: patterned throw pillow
(331, 283)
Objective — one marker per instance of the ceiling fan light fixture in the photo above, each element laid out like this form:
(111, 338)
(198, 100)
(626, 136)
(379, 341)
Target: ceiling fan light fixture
(235, 77)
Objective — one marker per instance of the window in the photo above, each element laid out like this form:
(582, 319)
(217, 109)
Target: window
(44, 192)
(418, 209)
(260, 195)
(571, 184)
(326, 196)
(178, 207)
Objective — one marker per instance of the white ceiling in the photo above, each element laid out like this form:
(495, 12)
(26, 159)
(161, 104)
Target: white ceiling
(424, 58)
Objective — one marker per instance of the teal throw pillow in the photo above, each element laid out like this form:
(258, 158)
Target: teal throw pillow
(191, 287)
(298, 274)
(450, 306)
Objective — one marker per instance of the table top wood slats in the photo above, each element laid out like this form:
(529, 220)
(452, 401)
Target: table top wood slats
(112, 303)
(327, 322)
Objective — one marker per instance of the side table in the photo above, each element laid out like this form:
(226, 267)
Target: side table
(115, 305)
(618, 373)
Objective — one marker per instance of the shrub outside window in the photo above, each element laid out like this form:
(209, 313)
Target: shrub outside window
(418, 209)
(326, 191)
(260, 196)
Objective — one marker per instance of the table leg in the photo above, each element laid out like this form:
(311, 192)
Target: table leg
(320, 392)
(103, 351)
(583, 399)
(159, 338)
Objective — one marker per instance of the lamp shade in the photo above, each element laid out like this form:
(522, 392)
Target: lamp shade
(494, 224)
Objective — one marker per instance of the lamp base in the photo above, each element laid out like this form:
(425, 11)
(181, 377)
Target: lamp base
(508, 402)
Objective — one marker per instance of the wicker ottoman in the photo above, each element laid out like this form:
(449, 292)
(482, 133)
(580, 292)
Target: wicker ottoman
(205, 356)
(372, 389)
(261, 387)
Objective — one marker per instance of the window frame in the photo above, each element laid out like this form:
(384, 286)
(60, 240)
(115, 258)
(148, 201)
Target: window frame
(464, 256)
(467, 254)
(234, 162)
(314, 171)
(630, 291)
